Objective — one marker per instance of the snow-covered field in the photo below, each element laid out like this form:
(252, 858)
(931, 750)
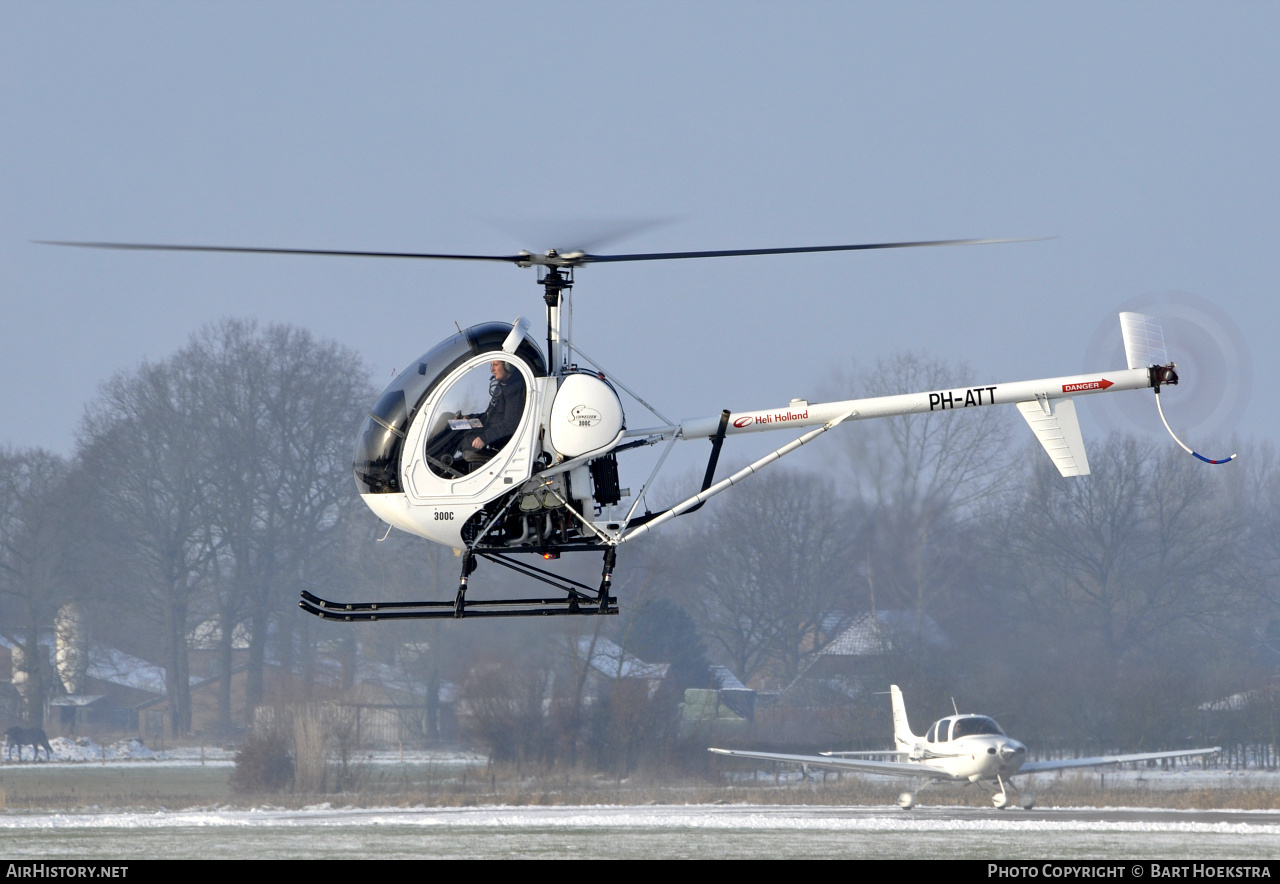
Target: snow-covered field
(735, 830)
(324, 832)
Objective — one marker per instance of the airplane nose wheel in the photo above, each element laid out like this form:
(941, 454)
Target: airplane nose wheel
(1001, 801)
(907, 800)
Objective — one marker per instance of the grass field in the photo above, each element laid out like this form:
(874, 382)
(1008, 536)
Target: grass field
(453, 783)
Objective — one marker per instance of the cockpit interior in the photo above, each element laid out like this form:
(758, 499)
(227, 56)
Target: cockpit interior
(469, 397)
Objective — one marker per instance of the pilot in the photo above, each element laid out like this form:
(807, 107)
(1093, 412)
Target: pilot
(500, 419)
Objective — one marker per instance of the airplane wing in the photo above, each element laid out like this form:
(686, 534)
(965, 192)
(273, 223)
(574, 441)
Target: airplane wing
(888, 768)
(1101, 760)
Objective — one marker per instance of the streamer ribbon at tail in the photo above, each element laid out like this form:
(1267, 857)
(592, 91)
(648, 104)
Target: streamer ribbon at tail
(1181, 444)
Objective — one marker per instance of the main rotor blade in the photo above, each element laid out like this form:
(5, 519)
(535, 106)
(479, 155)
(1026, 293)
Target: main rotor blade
(156, 247)
(550, 259)
(730, 253)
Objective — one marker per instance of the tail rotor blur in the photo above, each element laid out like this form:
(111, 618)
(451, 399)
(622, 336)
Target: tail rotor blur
(1214, 367)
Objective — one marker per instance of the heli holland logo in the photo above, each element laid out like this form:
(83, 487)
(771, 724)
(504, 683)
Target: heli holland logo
(583, 416)
(1087, 385)
(779, 417)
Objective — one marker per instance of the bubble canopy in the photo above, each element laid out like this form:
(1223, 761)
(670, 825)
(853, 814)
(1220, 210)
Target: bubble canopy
(378, 447)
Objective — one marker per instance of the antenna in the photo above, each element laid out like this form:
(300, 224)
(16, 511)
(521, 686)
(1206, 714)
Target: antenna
(953, 706)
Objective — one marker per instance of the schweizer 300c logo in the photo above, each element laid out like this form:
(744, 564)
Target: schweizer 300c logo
(584, 416)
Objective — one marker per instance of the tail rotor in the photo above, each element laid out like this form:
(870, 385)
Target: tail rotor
(1213, 366)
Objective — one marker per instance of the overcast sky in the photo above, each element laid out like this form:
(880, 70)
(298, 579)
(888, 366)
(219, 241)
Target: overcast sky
(1142, 136)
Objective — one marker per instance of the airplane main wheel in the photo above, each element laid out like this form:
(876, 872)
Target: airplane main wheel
(1026, 801)
(1001, 801)
(907, 800)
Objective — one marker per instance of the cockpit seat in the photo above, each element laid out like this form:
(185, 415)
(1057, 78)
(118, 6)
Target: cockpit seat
(476, 456)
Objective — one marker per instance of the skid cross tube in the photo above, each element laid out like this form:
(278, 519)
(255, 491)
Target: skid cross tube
(582, 591)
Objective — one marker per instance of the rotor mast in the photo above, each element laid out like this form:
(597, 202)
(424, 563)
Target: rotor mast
(557, 285)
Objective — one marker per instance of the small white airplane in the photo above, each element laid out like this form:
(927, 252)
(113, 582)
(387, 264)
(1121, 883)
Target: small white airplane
(957, 749)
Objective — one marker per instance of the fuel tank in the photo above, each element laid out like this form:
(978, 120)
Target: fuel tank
(586, 415)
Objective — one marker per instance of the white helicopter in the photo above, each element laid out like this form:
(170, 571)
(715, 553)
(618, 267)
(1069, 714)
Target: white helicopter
(493, 446)
(961, 749)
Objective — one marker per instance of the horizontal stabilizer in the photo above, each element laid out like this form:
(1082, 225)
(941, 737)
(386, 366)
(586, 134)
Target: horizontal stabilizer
(1143, 340)
(1055, 425)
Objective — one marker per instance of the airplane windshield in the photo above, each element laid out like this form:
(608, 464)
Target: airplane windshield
(977, 724)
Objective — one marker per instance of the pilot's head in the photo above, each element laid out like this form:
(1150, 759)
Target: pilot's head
(501, 370)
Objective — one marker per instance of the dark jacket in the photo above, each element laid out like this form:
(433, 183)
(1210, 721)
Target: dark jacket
(506, 405)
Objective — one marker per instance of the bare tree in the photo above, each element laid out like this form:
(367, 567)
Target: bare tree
(280, 407)
(1108, 572)
(764, 570)
(226, 468)
(37, 573)
(143, 444)
(924, 477)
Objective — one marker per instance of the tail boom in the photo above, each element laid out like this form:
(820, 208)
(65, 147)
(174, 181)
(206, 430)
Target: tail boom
(800, 413)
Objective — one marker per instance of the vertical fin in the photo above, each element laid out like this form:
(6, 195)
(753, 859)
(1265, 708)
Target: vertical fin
(1143, 340)
(901, 729)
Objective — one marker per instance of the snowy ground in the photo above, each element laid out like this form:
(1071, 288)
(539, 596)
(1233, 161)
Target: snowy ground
(328, 832)
(323, 832)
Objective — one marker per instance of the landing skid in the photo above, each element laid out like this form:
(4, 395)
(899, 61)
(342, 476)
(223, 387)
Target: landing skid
(579, 599)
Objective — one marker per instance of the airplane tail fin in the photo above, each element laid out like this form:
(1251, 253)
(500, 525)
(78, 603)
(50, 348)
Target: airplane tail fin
(901, 730)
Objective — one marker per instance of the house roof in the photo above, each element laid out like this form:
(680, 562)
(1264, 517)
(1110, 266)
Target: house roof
(1243, 700)
(878, 632)
(74, 700)
(726, 679)
(116, 667)
(609, 659)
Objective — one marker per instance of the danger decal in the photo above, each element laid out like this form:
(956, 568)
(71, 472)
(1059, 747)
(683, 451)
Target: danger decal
(1087, 385)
